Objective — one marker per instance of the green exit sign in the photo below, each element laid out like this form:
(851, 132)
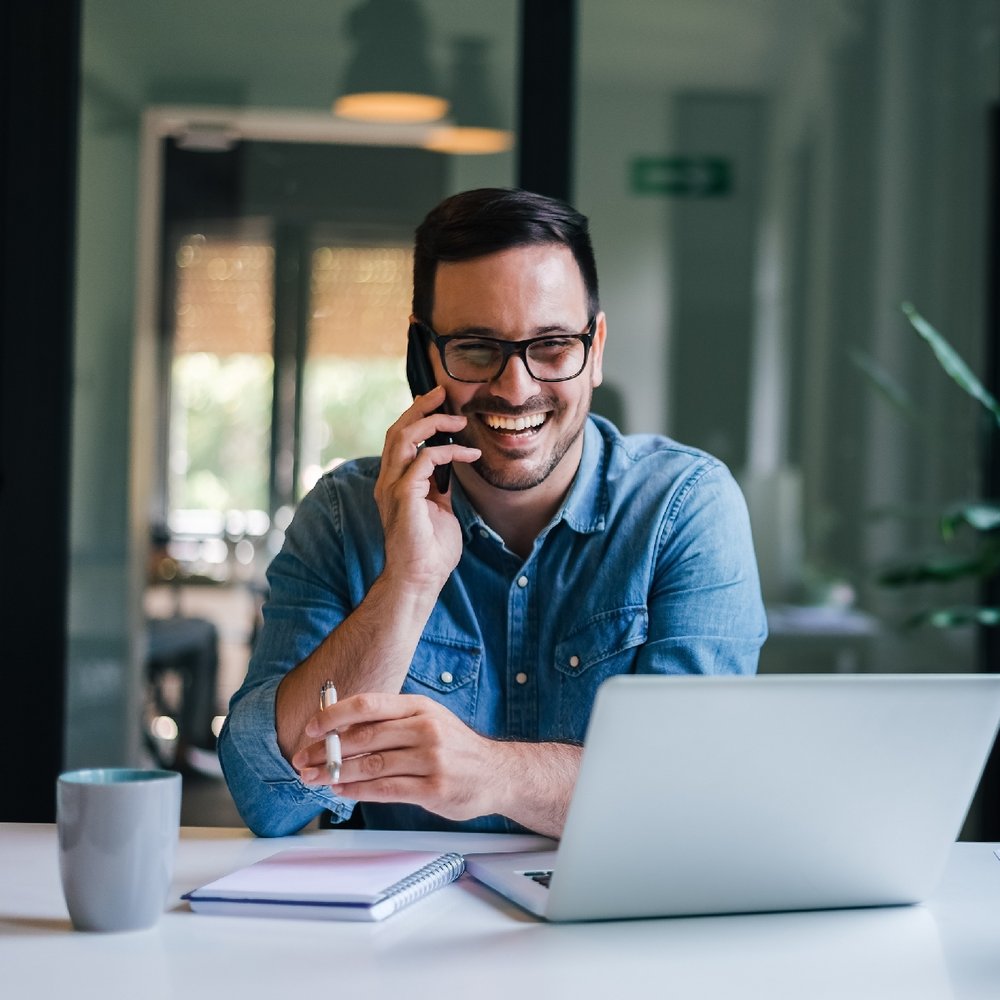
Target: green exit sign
(681, 176)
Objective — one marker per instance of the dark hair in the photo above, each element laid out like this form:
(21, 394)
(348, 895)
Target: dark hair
(487, 220)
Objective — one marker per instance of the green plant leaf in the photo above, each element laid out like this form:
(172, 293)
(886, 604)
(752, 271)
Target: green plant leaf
(936, 570)
(956, 616)
(888, 387)
(951, 361)
(981, 515)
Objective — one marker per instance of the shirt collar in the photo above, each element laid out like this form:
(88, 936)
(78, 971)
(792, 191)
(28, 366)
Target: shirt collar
(586, 504)
(585, 508)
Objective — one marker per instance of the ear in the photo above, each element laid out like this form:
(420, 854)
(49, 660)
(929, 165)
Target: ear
(597, 350)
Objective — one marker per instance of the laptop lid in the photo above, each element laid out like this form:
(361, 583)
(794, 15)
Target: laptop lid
(701, 795)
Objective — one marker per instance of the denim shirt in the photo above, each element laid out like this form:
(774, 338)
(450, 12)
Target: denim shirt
(648, 567)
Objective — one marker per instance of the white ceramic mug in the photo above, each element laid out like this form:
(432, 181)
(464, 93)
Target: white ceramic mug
(118, 832)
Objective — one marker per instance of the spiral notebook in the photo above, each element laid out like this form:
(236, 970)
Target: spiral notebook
(318, 884)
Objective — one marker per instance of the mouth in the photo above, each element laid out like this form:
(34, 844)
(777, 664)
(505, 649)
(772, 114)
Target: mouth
(525, 424)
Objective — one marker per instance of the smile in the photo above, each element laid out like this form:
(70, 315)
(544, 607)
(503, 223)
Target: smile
(499, 423)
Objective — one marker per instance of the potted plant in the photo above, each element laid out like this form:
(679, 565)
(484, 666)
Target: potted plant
(969, 531)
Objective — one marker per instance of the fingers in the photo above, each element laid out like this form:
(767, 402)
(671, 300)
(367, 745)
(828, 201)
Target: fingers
(404, 748)
(369, 707)
(428, 458)
(372, 767)
(357, 719)
(395, 748)
(379, 734)
(407, 469)
(419, 423)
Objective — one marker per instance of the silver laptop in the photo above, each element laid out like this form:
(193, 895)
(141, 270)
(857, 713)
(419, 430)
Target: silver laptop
(708, 795)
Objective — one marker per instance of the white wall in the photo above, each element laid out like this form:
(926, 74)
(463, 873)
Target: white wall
(631, 240)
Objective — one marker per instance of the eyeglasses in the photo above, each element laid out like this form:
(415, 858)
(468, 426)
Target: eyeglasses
(556, 357)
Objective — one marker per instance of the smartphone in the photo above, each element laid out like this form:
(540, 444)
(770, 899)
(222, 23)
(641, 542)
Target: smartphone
(420, 375)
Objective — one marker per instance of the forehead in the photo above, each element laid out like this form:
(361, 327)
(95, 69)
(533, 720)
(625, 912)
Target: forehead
(519, 288)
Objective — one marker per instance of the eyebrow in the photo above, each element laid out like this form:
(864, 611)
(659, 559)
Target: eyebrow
(492, 334)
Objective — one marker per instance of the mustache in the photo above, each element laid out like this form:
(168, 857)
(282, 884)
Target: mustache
(499, 408)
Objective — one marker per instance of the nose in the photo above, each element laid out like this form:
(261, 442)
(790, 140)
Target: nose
(514, 384)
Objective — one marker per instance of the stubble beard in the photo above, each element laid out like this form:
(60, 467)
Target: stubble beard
(512, 475)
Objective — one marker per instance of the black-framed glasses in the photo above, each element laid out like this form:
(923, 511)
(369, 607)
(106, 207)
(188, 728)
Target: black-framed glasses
(555, 357)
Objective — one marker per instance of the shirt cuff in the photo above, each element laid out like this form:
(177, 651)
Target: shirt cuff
(267, 790)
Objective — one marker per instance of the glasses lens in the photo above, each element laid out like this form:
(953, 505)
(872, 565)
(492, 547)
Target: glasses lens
(472, 360)
(556, 357)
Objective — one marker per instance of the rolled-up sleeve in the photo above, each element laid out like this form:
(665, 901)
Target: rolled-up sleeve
(271, 799)
(309, 597)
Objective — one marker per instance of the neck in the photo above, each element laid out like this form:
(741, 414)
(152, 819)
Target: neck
(518, 516)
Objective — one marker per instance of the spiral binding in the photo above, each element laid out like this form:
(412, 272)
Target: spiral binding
(434, 875)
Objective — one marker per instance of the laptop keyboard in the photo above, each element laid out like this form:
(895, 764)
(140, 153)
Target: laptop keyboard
(542, 878)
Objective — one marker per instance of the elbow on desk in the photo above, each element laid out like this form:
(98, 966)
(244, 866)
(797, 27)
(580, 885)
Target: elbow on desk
(265, 825)
(269, 815)
(270, 808)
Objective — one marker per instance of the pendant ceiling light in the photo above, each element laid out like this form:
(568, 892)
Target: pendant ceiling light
(475, 124)
(390, 78)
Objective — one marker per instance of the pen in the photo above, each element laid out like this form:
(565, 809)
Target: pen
(328, 697)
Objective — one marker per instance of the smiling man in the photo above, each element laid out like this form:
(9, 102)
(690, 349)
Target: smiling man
(466, 632)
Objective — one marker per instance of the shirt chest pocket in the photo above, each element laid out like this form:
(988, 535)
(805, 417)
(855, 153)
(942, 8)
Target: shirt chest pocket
(604, 645)
(446, 670)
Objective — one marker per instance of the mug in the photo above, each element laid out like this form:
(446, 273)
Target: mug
(118, 831)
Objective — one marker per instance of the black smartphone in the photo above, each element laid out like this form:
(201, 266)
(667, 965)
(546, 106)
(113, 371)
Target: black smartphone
(420, 375)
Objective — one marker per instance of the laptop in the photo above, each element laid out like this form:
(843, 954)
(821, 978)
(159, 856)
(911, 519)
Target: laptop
(712, 795)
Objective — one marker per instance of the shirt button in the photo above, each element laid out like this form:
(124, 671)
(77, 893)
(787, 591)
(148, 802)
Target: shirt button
(483, 533)
(522, 581)
(574, 661)
(521, 678)
(446, 677)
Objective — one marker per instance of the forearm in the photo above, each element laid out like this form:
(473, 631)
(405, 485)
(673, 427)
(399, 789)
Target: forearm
(370, 650)
(535, 783)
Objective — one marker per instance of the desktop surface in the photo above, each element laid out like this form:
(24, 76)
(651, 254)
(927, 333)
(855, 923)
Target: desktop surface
(464, 940)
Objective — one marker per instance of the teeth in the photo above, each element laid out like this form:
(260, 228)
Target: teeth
(499, 423)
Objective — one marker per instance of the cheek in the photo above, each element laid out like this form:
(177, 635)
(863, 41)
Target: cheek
(458, 397)
(579, 402)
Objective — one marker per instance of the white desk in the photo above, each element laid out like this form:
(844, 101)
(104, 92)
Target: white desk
(464, 941)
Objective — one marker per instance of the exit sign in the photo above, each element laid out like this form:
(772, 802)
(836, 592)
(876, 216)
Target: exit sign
(681, 176)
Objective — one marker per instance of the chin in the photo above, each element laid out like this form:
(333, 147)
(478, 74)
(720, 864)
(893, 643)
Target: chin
(515, 475)
(512, 479)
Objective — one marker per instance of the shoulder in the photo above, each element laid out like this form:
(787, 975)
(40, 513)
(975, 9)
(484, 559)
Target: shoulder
(355, 474)
(347, 488)
(636, 458)
(354, 478)
(335, 525)
(653, 479)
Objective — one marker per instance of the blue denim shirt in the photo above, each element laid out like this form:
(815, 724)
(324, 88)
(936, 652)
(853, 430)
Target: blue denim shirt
(648, 567)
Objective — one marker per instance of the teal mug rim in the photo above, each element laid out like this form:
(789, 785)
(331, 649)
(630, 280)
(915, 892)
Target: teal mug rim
(103, 776)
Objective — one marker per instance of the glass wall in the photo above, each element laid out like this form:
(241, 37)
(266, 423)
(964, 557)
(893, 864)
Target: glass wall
(241, 300)
(768, 182)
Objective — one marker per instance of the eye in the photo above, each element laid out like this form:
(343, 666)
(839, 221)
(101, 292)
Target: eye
(553, 348)
(476, 353)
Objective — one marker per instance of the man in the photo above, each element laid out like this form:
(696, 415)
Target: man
(467, 631)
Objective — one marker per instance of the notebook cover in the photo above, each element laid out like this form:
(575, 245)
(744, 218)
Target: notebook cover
(315, 883)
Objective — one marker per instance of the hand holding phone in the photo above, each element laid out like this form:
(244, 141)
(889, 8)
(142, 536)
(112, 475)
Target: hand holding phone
(420, 375)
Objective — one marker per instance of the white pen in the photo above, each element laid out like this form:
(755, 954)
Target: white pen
(328, 697)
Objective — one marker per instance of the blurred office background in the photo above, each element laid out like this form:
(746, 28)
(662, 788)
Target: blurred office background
(212, 310)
